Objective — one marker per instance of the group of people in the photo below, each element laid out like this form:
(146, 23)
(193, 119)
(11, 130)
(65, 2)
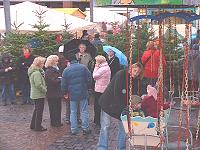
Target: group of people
(110, 93)
(77, 79)
(10, 72)
(55, 78)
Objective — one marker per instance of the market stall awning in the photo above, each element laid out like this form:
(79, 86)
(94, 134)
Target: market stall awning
(104, 15)
(23, 17)
(72, 11)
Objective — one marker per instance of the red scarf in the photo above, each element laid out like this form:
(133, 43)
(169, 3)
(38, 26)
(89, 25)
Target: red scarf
(27, 55)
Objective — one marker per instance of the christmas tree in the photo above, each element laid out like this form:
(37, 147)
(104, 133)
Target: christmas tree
(41, 42)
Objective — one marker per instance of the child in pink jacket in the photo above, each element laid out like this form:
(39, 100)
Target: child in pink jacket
(149, 103)
(101, 75)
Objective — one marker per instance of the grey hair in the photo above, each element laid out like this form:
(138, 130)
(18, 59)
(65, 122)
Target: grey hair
(51, 61)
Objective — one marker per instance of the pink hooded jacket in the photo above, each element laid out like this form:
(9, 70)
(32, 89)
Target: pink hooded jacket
(101, 76)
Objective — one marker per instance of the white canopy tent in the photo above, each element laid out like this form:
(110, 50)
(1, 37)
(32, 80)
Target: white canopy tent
(23, 14)
(104, 15)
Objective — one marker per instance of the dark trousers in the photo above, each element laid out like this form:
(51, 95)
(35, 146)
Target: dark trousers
(37, 114)
(55, 110)
(25, 87)
(68, 110)
(97, 109)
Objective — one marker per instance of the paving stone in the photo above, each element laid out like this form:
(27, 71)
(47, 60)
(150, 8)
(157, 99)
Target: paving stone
(60, 144)
(61, 147)
(78, 148)
(91, 140)
(70, 147)
(59, 141)
(67, 136)
(16, 134)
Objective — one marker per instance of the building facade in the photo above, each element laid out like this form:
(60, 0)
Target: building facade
(82, 4)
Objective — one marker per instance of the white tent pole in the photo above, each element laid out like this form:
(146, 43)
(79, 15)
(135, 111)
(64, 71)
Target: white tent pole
(91, 10)
(6, 4)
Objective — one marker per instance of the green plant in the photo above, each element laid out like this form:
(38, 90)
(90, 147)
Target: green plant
(143, 34)
(14, 43)
(140, 37)
(42, 42)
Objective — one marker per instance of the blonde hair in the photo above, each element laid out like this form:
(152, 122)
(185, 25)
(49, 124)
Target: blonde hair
(139, 65)
(100, 59)
(51, 61)
(38, 62)
(150, 44)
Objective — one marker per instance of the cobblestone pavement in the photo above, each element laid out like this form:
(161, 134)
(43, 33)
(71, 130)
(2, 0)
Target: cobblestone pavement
(16, 135)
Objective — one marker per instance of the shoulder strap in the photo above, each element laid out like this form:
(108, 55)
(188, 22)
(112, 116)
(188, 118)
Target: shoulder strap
(149, 58)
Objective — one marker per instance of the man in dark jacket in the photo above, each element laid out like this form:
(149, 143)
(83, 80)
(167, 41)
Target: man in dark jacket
(112, 102)
(75, 81)
(24, 63)
(7, 71)
(113, 62)
(98, 44)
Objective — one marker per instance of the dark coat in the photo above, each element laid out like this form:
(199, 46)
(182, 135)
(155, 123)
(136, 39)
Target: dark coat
(53, 82)
(97, 42)
(7, 77)
(75, 81)
(114, 65)
(99, 46)
(114, 98)
(23, 65)
(62, 63)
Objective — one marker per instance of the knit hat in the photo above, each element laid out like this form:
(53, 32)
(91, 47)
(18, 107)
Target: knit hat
(151, 91)
(136, 99)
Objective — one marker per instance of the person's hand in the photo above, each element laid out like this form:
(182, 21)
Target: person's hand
(66, 97)
(97, 64)
(143, 96)
(7, 69)
(10, 68)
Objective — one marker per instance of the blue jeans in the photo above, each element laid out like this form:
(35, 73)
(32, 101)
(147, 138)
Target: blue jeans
(8, 92)
(25, 87)
(104, 133)
(84, 115)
